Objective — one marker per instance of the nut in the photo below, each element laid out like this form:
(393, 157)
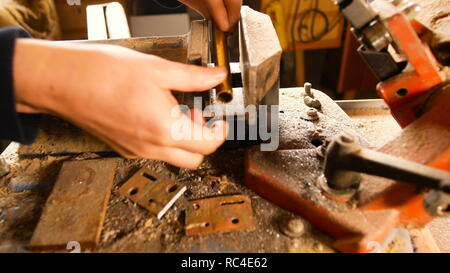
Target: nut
(312, 102)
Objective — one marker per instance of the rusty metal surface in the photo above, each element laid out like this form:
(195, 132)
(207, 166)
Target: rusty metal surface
(288, 177)
(219, 214)
(152, 192)
(421, 142)
(280, 177)
(76, 208)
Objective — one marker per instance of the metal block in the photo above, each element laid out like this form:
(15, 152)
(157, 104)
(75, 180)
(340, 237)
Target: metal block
(260, 51)
(219, 214)
(77, 205)
(152, 192)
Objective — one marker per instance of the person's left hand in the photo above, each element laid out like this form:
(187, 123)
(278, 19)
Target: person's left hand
(225, 13)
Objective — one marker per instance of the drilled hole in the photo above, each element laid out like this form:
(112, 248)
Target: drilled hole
(149, 177)
(133, 191)
(235, 221)
(172, 189)
(317, 142)
(196, 206)
(207, 224)
(151, 201)
(402, 92)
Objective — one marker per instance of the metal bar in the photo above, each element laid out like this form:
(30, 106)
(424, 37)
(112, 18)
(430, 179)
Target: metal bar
(76, 208)
(346, 154)
(362, 104)
(379, 164)
(224, 91)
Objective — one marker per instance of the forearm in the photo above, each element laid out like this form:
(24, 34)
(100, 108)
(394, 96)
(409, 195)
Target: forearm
(47, 72)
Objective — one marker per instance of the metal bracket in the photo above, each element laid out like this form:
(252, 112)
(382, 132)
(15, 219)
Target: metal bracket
(219, 214)
(151, 192)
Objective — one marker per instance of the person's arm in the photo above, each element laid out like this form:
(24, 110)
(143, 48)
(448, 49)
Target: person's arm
(119, 95)
(14, 126)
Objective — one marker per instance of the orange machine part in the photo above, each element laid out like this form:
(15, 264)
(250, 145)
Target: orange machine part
(404, 197)
(424, 76)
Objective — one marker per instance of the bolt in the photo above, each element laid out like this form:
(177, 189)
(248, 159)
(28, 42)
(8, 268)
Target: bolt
(294, 228)
(312, 102)
(312, 113)
(307, 88)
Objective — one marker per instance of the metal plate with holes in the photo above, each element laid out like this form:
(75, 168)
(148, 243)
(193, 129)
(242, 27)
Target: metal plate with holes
(219, 214)
(151, 192)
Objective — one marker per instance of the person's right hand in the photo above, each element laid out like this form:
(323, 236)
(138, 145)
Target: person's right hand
(119, 95)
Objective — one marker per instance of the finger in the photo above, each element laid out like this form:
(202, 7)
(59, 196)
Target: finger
(234, 11)
(117, 147)
(183, 77)
(197, 116)
(199, 7)
(173, 156)
(189, 136)
(219, 14)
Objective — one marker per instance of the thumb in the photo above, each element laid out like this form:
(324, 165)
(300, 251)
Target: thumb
(183, 77)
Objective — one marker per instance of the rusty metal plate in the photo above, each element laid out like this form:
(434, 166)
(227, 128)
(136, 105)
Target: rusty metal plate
(154, 193)
(76, 207)
(219, 214)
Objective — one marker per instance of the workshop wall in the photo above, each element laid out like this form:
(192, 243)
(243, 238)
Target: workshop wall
(72, 18)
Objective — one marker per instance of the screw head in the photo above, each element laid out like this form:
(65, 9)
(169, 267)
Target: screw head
(294, 228)
(312, 112)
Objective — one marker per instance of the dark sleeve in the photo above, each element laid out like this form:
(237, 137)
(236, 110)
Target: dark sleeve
(13, 126)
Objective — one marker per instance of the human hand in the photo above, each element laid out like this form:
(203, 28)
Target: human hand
(225, 13)
(119, 95)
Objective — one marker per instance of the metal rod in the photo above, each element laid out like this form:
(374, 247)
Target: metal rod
(345, 155)
(224, 91)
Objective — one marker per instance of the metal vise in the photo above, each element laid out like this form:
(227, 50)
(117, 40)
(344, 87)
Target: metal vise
(257, 72)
